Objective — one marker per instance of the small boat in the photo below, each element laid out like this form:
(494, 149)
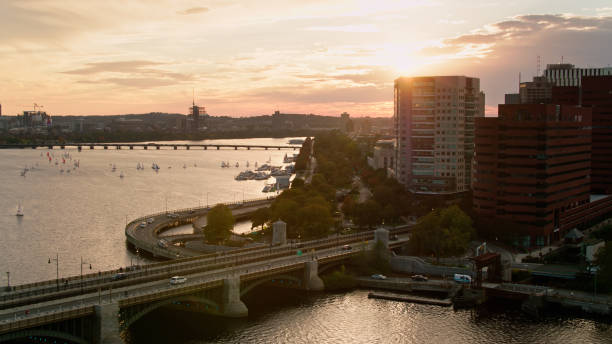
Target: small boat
(247, 164)
(19, 210)
(237, 164)
(121, 175)
(184, 165)
(114, 168)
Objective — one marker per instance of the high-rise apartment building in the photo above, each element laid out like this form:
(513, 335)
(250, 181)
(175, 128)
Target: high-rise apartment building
(565, 74)
(434, 132)
(532, 165)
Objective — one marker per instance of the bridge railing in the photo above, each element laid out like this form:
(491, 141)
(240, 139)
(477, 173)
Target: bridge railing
(236, 255)
(35, 321)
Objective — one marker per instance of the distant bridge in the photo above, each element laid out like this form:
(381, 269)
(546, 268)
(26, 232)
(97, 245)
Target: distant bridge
(145, 146)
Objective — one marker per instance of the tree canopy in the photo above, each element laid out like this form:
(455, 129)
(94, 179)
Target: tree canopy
(603, 259)
(442, 233)
(219, 224)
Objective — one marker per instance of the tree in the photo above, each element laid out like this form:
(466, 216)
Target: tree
(603, 259)
(442, 233)
(219, 224)
(314, 220)
(260, 217)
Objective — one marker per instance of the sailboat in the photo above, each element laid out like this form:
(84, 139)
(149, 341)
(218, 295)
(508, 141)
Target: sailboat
(19, 210)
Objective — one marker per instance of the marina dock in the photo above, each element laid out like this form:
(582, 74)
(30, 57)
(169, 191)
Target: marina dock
(410, 298)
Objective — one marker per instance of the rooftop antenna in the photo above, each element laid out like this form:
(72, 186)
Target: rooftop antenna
(538, 70)
(193, 96)
(561, 59)
(519, 78)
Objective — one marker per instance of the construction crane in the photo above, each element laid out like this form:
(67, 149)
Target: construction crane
(35, 106)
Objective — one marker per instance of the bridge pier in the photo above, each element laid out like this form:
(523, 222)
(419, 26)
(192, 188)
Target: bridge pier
(157, 147)
(145, 147)
(131, 147)
(312, 281)
(235, 147)
(91, 147)
(382, 235)
(175, 148)
(232, 306)
(107, 330)
(187, 147)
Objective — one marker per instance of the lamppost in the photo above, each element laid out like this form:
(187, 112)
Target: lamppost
(82, 262)
(206, 199)
(56, 259)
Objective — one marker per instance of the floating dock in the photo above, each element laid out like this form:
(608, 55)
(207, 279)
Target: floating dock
(411, 298)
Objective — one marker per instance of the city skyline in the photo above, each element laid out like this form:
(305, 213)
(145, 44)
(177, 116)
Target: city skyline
(249, 58)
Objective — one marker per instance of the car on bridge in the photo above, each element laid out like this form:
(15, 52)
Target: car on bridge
(178, 280)
(150, 220)
(420, 278)
(119, 276)
(379, 277)
(142, 225)
(347, 248)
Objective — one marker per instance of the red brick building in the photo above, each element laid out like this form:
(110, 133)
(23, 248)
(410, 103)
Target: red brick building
(532, 165)
(597, 94)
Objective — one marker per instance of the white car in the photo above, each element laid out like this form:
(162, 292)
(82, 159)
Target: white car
(143, 225)
(379, 277)
(150, 220)
(178, 280)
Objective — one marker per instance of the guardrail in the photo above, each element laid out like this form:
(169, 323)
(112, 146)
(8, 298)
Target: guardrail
(45, 319)
(191, 265)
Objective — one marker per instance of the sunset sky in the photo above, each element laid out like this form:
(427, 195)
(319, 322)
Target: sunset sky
(251, 57)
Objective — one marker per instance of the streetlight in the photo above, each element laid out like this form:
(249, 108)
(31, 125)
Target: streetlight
(206, 199)
(82, 262)
(56, 259)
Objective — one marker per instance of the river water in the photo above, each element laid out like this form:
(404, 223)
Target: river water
(83, 214)
(283, 316)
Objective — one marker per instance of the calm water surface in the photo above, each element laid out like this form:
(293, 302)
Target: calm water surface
(282, 316)
(83, 213)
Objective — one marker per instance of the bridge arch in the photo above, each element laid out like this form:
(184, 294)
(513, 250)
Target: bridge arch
(42, 333)
(153, 306)
(244, 291)
(331, 265)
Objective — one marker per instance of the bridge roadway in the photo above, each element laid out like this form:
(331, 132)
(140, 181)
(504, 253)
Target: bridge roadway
(146, 290)
(147, 238)
(74, 285)
(145, 146)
